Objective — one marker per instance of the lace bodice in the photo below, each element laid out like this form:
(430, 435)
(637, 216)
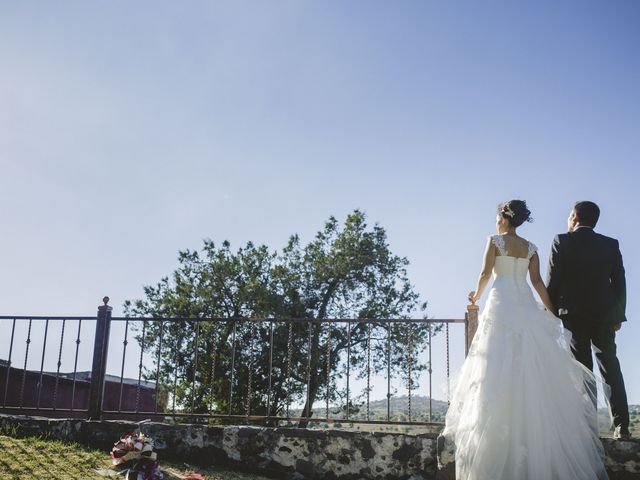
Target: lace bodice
(508, 268)
(499, 242)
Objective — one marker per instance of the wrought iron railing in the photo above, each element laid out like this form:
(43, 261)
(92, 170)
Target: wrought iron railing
(275, 369)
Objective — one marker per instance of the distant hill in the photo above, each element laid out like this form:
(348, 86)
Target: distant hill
(399, 410)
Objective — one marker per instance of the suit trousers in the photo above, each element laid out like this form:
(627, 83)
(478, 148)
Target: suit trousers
(588, 331)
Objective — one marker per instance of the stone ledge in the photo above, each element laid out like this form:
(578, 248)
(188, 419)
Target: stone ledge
(281, 452)
(292, 452)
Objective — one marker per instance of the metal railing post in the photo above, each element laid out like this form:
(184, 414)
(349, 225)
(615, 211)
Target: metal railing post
(99, 368)
(471, 325)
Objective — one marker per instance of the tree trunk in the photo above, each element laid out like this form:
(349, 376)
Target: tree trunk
(314, 379)
(308, 404)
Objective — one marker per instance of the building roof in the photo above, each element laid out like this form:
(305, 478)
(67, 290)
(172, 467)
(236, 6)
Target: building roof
(86, 376)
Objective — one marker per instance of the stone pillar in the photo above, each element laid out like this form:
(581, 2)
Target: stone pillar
(471, 325)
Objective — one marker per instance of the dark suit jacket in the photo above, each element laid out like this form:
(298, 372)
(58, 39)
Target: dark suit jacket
(586, 276)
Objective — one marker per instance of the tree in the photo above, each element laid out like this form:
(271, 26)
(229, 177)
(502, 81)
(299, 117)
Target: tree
(347, 271)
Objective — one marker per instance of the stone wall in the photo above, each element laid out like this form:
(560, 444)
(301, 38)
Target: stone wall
(291, 452)
(280, 452)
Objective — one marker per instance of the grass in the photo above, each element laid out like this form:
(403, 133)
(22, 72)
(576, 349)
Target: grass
(34, 458)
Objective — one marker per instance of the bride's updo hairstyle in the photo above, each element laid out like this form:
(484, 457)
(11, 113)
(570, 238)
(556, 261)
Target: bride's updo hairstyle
(516, 212)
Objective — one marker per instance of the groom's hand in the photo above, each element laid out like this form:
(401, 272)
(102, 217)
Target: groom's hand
(617, 326)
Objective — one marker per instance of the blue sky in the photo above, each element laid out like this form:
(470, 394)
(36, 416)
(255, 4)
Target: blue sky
(128, 132)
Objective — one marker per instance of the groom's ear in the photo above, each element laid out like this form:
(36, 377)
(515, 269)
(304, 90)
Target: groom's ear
(572, 220)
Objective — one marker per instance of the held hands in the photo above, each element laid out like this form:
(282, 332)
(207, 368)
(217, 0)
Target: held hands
(472, 297)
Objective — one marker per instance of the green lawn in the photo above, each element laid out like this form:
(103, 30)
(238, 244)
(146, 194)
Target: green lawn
(32, 458)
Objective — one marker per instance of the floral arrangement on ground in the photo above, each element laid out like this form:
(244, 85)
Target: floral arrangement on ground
(134, 458)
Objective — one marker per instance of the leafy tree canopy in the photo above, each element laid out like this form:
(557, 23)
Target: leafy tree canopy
(222, 366)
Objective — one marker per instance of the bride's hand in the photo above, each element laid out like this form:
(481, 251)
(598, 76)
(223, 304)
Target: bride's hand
(472, 297)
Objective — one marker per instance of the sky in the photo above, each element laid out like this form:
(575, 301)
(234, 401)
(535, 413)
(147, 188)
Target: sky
(129, 132)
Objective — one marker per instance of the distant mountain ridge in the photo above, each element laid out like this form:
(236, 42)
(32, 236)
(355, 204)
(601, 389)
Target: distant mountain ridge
(398, 409)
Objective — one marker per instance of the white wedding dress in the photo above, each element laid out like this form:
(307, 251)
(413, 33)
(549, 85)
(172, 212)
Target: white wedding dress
(520, 409)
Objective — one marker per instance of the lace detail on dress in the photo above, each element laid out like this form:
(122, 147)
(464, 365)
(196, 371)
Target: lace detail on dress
(532, 250)
(498, 241)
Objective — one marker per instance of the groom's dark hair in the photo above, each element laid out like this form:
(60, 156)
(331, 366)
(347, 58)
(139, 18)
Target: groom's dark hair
(588, 213)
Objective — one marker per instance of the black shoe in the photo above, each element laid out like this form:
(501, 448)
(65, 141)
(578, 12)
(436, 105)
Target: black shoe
(621, 433)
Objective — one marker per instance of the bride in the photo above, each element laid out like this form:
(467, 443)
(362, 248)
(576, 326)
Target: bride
(520, 409)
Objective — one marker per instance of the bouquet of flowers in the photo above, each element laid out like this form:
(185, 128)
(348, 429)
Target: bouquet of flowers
(135, 459)
(135, 456)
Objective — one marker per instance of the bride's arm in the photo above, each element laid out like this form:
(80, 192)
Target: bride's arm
(485, 275)
(538, 284)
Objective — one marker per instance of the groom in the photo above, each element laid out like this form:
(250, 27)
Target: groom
(587, 287)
